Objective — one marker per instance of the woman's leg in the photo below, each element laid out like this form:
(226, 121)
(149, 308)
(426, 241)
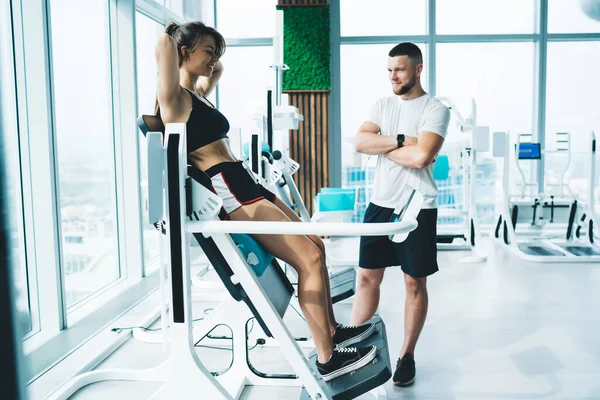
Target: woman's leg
(306, 258)
(319, 243)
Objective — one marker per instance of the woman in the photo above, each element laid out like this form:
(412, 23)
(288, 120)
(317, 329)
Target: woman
(188, 71)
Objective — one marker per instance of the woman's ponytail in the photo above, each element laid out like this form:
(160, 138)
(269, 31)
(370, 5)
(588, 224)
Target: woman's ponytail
(171, 28)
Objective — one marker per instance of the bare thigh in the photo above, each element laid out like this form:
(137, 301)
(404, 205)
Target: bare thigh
(294, 217)
(296, 250)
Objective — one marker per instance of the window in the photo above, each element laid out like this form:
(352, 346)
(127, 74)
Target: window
(246, 19)
(83, 130)
(567, 16)
(485, 17)
(504, 100)
(174, 5)
(481, 70)
(147, 32)
(243, 89)
(364, 79)
(383, 18)
(572, 106)
(24, 277)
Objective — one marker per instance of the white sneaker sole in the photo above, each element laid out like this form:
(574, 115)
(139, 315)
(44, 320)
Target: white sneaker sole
(352, 367)
(358, 338)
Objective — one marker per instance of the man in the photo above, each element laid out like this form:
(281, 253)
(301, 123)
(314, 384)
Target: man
(406, 131)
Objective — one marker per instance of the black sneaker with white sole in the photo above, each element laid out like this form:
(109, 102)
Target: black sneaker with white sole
(405, 371)
(345, 336)
(345, 360)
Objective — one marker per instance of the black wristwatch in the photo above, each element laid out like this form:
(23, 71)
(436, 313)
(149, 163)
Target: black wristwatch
(400, 140)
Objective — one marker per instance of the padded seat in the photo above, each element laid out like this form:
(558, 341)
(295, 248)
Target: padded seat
(256, 256)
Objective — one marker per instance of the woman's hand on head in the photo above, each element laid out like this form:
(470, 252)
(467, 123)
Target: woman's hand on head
(165, 40)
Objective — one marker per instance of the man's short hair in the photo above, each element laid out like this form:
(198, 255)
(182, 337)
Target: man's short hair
(408, 49)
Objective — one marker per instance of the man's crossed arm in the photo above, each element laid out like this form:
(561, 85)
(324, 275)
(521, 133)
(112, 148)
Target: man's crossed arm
(415, 153)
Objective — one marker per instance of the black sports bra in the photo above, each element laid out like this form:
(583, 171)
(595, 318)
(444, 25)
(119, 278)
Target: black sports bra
(205, 124)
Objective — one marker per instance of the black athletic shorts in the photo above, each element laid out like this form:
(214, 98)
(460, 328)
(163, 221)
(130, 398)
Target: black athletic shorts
(417, 255)
(235, 186)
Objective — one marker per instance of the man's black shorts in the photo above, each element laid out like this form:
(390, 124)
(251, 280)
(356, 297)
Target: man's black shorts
(417, 255)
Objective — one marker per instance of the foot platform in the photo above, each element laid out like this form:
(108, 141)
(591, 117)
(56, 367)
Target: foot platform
(343, 284)
(355, 383)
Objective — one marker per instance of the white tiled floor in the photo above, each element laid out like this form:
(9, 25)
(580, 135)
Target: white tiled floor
(505, 329)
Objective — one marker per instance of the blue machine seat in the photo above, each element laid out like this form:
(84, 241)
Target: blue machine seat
(254, 254)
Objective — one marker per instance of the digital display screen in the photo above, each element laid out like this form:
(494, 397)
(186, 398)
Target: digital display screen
(529, 151)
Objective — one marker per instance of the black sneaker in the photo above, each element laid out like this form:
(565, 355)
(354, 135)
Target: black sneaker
(405, 371)
(344, 336)
(344, 360)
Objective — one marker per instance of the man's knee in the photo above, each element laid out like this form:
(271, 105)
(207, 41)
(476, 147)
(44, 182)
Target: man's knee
(370, 278)
(415, 285)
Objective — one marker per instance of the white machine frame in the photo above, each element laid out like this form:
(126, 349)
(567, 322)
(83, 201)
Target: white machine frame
(469, 235)
(537, 237)
(183, 373)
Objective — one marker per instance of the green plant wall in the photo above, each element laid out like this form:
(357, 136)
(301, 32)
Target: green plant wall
(306, 48)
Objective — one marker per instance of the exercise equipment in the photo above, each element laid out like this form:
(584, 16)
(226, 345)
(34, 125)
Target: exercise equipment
(208, 290)
(258, 161)
(275, 170)
(278, 178)
(465, 236)
(545, 227)
(190, 207)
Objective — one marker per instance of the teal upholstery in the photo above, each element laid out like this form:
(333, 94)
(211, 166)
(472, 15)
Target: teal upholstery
(254, 254)
(335, 199)
(441, 168)
(336, 190)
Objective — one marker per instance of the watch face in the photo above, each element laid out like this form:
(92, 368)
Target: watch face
(400, 140)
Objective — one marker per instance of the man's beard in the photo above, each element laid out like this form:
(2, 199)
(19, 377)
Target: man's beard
(406, 88)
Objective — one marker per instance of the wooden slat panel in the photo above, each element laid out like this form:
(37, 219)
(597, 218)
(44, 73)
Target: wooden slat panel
(319, 135)
(294, 138)
(308, 145)
(325, 124)
(306, 149)
(313, 148)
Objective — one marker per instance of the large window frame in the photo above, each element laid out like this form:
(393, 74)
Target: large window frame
(22, 155)
(540, 37)
(62, 331)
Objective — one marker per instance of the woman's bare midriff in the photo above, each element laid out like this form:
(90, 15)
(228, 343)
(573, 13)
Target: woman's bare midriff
(212, 154)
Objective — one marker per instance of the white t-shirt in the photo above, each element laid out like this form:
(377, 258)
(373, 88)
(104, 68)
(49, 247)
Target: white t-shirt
(394, 115)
